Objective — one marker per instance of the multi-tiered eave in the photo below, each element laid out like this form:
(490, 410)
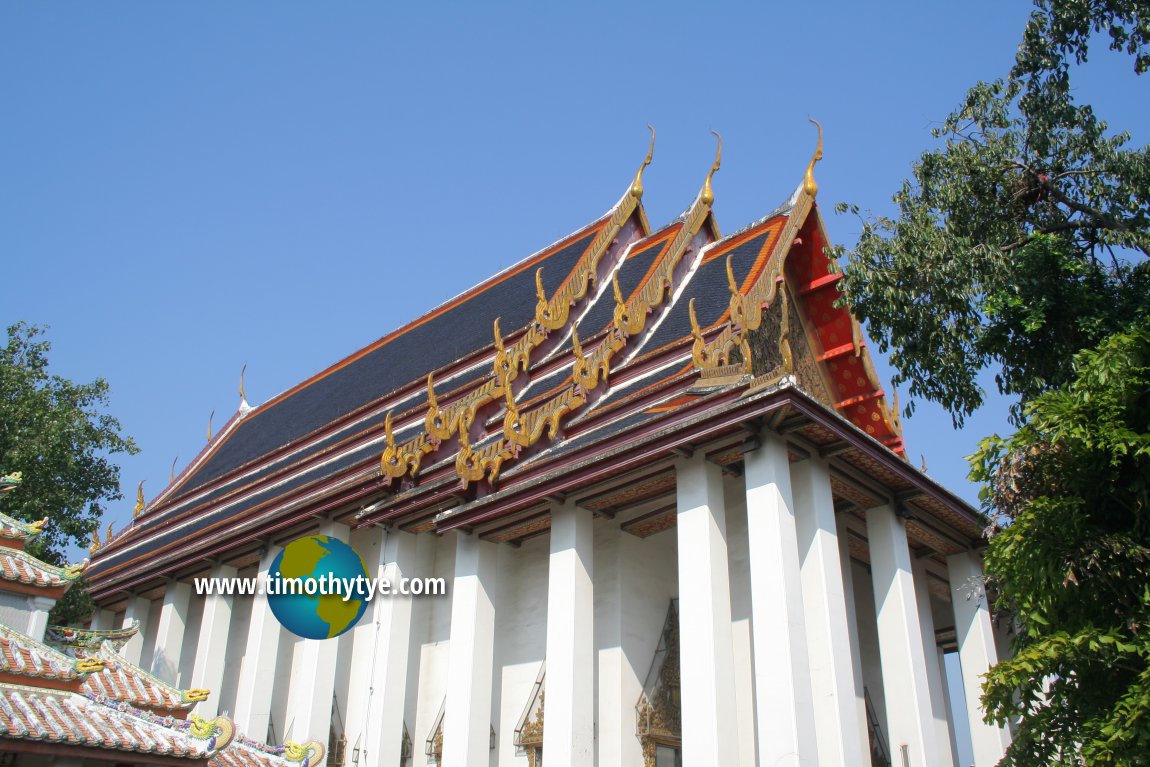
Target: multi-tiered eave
(584, 372)
(325, 435)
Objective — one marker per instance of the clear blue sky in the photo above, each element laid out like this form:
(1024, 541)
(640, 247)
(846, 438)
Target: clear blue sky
(189, 187)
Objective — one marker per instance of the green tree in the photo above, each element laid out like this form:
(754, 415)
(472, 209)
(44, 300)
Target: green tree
(56, 433)
(1070, 557)
(1019, 244)
(1020, 240)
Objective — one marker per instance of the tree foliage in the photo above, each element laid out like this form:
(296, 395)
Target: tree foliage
(56, 433)
(1070, 558)
(1022, 238)
(1019, 244)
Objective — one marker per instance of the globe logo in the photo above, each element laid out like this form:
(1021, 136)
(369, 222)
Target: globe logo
(317, 587)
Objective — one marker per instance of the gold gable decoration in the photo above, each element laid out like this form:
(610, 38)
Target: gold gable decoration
(433, 748)
(746, 311)
(658, 713)
(529, 730)
(398, 460)
(522, 430)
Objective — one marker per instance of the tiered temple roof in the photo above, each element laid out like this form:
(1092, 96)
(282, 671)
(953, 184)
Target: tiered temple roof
(583, 369)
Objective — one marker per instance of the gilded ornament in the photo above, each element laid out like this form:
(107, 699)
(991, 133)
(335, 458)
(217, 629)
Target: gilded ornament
(89, 665)
(708, 195)
(210, 417)
(552, 314)
(219, 732)
(637, 184)
(434, 416)
(698, 345)
(195, 695)
(810, 186)
(310, 753)
(139, 509)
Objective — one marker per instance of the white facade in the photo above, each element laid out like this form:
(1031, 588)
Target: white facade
(784, 636)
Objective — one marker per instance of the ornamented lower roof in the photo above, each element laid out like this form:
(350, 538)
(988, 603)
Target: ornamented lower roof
(99, 671)
(18, 566)
(15, 532)
(53, 718)
(86, 639)
(67, 718)
(84, 695)
(23, 656)
(123, 681)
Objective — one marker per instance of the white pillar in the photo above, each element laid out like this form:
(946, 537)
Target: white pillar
(569, 737)
(471, 655)
(170, 632)
(38, 609)
(933, 668)
(135, 614)
(855, 644)
(706, 650)
(313, 683)
(828, 632)
(102, 620)
(258, 669)
(785, 724)
(212, 645)
(976, 653)
(910, 720)
(380, 656)
(946, 699)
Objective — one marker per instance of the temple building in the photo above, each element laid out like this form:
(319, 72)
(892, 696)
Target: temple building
(667, 493)
(69, 697)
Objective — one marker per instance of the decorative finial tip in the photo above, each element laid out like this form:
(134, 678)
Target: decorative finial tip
(140, 504)
(810, 186)
(637, 184)
(243, 396)
(708, 194)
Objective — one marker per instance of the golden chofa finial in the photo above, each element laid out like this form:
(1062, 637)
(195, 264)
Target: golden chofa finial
(637, 184)
(243, 396)
(708, 195)
(139, 509)
(210, 417)
(172, 471)
(810, 186)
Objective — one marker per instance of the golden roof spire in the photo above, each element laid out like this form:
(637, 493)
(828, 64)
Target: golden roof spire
(244, 369)
(211, 415)
(172, 471)
(810, 186)
(139, 500)
(708, 195)
(637, 184)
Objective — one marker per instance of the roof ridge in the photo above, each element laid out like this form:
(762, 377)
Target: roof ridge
(68, 663)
